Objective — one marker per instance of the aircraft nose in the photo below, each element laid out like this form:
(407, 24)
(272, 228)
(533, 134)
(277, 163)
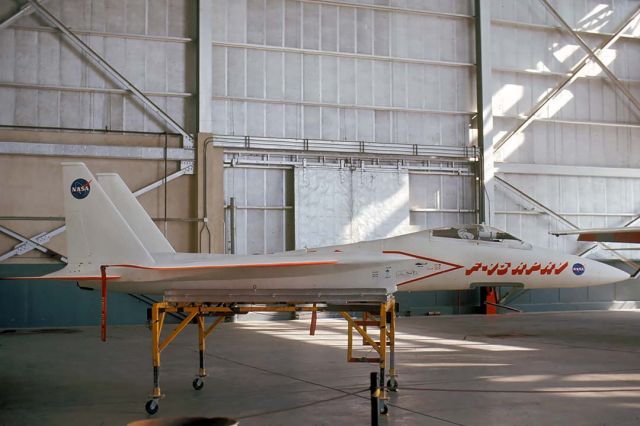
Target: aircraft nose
(600, 273)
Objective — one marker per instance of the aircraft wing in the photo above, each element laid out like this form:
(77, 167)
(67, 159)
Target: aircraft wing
(609, 235)
(245, 267)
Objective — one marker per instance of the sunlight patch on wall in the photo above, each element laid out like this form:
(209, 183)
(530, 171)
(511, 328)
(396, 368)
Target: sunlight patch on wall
(556, 104)
(346, 206)
(507, 97)
(565, 52)
(596, 19)
(510, 148)
(592, 69)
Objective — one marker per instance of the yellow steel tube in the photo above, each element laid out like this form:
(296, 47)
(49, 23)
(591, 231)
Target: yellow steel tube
(177, 330)
(366, 336)
(202, 372)
(201, 334)
(213, 326)
(155, 335)
(392, 342)
(383, 335)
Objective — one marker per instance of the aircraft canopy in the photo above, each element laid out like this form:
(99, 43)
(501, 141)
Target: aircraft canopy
(474, 232)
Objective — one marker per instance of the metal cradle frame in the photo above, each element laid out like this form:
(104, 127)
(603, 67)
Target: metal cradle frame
(376, 314)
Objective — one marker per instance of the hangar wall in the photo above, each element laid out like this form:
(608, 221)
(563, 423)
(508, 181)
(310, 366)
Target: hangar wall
(343, 70)
(46, 82)
(353, 85)
(579, 157)
(349, 71)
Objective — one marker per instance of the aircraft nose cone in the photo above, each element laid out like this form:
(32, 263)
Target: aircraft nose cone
(600, 273)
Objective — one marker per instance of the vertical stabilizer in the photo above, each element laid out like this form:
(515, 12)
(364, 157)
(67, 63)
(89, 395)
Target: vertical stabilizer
(97, 234)
(134, 213)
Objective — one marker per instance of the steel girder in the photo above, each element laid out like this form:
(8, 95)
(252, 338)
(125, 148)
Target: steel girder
(25, 10)
(575, 72)
(593, 56)
(560, 218)
(113, 73)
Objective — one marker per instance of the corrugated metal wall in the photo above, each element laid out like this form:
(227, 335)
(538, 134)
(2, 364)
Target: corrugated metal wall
(44, 81)
(264, 209)
(348, 71)
(343, 206)
(343, 70)
(590, 123)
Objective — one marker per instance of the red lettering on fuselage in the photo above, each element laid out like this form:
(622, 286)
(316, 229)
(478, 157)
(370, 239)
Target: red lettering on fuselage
(504, 268)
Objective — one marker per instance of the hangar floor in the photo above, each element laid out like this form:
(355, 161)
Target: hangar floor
(526, 369)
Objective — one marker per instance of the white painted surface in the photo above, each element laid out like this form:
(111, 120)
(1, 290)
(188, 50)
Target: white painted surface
(344, 206)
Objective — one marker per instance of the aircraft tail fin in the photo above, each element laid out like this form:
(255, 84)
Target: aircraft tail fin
(97, 233)
(135, 215)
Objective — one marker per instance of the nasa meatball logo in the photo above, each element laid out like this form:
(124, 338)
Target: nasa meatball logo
(80, 188)
(578, 268)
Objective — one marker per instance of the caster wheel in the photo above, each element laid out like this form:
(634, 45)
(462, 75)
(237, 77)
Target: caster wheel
(392, 385)
(384, 409)
(198, 383)
(152, 406)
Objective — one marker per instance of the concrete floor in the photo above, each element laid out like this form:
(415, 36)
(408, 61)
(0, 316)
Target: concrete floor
(525, 369)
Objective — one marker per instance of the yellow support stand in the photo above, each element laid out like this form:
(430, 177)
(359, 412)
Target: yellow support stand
(378, 315)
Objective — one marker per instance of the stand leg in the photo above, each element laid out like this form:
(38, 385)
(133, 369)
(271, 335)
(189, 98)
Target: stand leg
(383, 357)
(392, 383)
(152, 405)
(198, 383)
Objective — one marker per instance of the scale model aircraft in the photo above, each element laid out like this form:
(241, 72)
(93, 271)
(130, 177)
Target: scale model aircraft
(107, 227)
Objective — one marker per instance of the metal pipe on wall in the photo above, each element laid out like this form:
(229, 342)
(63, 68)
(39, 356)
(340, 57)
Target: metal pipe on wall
(232, 225)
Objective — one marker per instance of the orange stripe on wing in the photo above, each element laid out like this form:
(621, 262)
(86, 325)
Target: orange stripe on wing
(63, 278)
(229, 266)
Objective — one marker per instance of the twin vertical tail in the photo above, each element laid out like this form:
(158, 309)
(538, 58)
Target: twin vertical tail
(105, 224)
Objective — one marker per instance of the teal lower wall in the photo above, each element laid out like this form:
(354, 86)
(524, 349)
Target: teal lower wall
(442, 302)
(59, 303)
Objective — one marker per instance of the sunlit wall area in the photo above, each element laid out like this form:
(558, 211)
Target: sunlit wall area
(392, 79)
(578, 157)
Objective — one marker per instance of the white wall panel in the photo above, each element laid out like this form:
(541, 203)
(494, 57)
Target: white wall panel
(264, 214)
(441, 200)
(333, 63)
(343, 206)
(146, 41)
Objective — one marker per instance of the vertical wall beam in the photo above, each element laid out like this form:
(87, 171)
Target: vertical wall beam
(210, 195)
(485, 112)
(205, 66)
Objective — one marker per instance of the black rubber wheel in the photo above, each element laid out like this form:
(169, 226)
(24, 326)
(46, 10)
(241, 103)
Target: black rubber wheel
(152, 406)
(392, 385)
(384, 409)
(198, 383)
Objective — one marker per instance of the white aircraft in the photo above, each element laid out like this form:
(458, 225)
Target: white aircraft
(106, 226)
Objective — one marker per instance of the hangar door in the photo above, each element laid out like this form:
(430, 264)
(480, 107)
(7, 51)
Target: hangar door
(340, 206)
(263, 210)
(279, 209)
